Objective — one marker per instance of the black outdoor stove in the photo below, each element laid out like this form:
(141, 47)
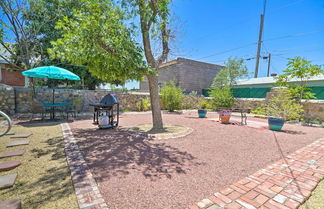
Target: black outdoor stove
(108, 106)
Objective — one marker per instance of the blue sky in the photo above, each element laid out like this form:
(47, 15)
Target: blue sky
(211, 27)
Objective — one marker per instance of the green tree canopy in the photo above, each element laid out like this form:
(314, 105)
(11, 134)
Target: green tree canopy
(96, 36)
(101, 35)
(26, 30)
(235, 69)
(300, 70)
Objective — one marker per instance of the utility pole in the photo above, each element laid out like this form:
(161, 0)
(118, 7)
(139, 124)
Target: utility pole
(269, 60)
(260, 41)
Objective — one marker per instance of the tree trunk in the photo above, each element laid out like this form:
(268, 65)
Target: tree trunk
(155, 102)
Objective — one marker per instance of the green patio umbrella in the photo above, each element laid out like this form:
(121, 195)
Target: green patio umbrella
(51, 72)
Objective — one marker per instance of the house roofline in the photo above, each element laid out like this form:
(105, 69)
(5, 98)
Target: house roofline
(180, 59)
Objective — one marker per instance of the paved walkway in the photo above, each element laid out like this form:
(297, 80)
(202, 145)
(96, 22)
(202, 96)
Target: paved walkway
(285, 184)
(85, 186)
(250, 123)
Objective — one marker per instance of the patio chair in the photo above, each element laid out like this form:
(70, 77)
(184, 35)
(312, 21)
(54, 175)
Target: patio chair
(75, 107)
(37, 108)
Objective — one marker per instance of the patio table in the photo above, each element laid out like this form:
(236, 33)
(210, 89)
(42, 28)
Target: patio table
(54, 106)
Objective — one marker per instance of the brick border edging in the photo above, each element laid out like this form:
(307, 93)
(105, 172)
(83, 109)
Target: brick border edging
(285, 184)
(86, 189)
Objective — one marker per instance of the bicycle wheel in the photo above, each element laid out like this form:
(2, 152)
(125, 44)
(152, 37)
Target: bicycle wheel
(5, 123)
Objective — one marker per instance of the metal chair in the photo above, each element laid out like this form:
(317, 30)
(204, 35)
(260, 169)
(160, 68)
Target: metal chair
(74, 108)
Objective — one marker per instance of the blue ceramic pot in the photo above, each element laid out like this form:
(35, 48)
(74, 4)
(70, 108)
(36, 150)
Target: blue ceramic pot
(275, 124)
(202, 113)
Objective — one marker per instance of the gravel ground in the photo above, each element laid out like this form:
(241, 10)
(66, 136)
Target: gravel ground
(133, 171)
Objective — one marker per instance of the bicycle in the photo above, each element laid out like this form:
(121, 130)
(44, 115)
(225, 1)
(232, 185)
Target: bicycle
(5, 123)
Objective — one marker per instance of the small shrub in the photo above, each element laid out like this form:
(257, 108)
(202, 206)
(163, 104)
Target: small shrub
(259, 111)
(222, 98)
(126, 110)
(143, 105)
(204, 105)
(282, 106)
(193, 93)
(171, 96)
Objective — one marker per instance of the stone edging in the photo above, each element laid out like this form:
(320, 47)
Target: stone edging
(285, 184)
(86, 189)
(184, 133)
(159, 136)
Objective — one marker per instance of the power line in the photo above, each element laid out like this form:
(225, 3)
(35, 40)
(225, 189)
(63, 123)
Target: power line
(223, 52)
(271, 39)
(246, 20)
(310, 50)
(285, 6)
(295, 35)
(293, 48)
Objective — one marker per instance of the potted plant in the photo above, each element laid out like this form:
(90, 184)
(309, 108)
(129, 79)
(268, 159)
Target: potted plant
(223, 100)
(281, 107)
(203, 111)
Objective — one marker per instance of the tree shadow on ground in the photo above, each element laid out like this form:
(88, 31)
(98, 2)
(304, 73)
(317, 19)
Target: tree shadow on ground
(38, 123)
(55, 182)
(117, 152)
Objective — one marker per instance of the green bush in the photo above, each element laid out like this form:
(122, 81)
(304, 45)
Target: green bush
(222, 98)
(281, 106)
(171, 96)
(259, 111)
(143, 105)
(204, 105)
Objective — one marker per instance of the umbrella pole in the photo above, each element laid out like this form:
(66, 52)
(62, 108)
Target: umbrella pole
(53, 108)
(53, 96)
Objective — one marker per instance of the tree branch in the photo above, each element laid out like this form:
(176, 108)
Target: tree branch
(146, 35)
(9, 62)
(165, 44)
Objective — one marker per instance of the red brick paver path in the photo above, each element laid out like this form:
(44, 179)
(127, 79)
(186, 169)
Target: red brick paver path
(285, 184)
(85, 186)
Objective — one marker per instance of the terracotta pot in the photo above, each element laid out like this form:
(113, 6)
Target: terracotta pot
(225, 115)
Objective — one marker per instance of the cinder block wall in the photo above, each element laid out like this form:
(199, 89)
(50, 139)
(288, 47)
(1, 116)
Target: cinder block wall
(190, 75)
(195, 76)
